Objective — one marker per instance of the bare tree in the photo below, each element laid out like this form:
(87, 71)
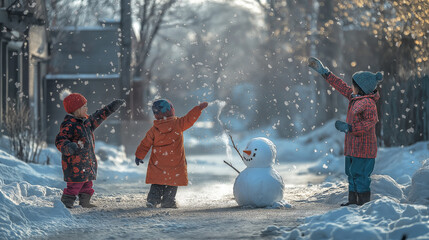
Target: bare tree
(25, 141)
(211, 49)
(151, 16)
(80, 12)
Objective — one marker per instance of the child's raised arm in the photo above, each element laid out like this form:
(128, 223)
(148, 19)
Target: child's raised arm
(339, 85)
(191, 117)
(333, 80)
(100, 115)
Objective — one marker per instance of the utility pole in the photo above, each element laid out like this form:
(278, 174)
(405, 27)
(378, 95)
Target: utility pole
(125, 72)
(314, 12)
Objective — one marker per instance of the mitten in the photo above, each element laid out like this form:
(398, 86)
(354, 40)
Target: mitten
(343, 126)
(203, 105)
(138, 161)
(116, 104)
(72, 148)
(317, 65)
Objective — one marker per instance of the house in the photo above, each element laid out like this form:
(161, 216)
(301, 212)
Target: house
(37, 63)
(24, 56)
(86, 60)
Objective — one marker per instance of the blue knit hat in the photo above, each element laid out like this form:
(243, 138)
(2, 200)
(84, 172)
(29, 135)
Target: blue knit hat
(367, 81)
(162, 108)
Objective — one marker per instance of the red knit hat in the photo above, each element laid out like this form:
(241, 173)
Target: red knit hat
(72, 101)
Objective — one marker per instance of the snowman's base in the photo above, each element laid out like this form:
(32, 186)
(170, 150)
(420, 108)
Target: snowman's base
(281, 205)
(277, 205)
(259, 187)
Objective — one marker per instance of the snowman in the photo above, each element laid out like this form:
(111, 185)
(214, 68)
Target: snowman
(259, 185)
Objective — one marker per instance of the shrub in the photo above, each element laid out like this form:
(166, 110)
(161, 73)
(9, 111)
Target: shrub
(25, 140)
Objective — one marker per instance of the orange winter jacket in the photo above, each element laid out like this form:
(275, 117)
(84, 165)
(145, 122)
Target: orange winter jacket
(167, 163)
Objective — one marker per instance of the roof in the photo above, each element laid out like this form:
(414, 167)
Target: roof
(81, 76)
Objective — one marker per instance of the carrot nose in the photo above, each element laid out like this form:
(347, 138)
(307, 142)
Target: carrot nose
(247, 152)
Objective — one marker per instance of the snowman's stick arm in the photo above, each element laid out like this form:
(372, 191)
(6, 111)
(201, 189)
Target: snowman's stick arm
(235, 147)
(229, 164)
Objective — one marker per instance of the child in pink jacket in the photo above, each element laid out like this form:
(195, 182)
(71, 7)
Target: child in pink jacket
(360, 145)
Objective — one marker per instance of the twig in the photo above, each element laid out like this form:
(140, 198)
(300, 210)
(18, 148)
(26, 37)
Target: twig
(235, 147)
(229, 164)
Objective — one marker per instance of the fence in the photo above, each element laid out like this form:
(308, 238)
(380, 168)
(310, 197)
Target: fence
(404, 112)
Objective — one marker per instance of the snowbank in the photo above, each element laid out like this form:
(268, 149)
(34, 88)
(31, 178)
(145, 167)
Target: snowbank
(30, 193)
(400, 163)
(28, 205)
(419, 189)
(14, 170)
(380, 219)
(399, 181)
(336, 192)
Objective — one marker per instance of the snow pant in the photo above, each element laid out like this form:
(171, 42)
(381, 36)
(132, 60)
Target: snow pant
(358, 171)
(164, 194)
(74, 188)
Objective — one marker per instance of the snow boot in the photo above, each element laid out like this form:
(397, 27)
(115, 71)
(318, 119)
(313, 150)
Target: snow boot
(150, 205)
(154, 196)
(84, 200)
(353, 199)
(169, 204)
(169, 198)
(68, 200)
(363, 198)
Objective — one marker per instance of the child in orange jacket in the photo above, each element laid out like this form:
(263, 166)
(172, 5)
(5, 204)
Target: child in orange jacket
(167, 168)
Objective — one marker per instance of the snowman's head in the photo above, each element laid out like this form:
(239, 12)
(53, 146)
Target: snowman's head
(260, 152)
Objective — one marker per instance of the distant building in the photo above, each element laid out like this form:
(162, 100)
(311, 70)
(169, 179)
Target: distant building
(24, 55)
(85, 60)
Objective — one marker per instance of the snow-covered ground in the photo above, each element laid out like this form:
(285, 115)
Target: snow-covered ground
(311, 166)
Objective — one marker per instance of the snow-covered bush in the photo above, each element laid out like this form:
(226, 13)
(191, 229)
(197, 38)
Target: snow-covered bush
(419, 190)
(384, 185)
(25, 140)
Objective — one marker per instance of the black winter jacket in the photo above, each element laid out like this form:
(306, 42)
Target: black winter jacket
(82, 165)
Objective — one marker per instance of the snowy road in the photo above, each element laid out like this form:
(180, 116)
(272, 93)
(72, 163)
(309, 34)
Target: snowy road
(123, 216)
(30, 206)
(206, 210)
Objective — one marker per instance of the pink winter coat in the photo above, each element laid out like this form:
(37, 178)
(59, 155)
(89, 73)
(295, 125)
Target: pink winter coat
(362, 115)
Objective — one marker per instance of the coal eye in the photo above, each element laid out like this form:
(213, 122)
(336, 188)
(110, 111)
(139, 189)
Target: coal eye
(256, 149)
